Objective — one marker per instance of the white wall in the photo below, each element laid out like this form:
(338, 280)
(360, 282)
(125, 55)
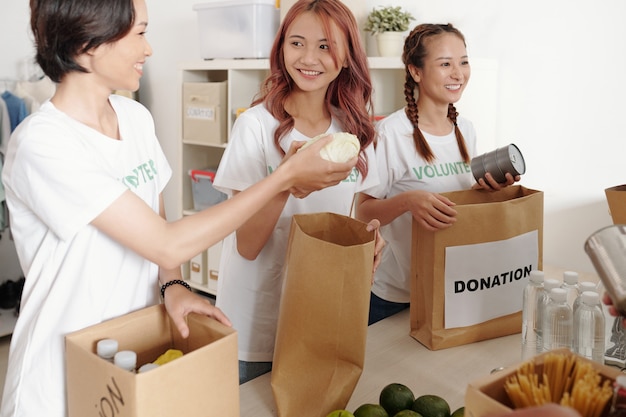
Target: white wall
(560, 93)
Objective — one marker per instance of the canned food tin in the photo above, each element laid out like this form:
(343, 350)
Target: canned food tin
(498, 162)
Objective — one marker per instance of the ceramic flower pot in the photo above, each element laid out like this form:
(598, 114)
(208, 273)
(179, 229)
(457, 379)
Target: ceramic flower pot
(390, 43)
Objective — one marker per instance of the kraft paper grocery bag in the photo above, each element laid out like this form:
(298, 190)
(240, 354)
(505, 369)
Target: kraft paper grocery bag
(467, 280)
(322, 324)
(616, 198)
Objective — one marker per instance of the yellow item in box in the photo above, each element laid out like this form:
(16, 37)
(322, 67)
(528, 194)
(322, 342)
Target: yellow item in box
(96, 387)
(168, 356)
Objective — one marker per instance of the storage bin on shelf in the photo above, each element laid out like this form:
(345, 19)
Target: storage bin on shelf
(204, 113)
(203, 192)
(237, 28)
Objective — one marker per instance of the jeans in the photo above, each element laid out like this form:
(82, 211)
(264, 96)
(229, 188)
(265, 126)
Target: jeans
(251, 370)
(380, 309)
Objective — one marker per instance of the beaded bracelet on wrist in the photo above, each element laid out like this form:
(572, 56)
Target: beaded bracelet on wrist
(173, 282)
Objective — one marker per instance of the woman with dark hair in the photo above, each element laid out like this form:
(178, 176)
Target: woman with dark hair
(83, 179)
(423, 149)
(319, 83)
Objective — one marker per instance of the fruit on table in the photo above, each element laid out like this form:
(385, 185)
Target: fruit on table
(459, 412)
(431, 406)
(396, 397)
(408, 413)
(340, 413)
(397, 400)
(370, 410)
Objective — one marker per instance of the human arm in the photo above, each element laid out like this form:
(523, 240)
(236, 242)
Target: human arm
(133, 224)
(179, 301)
(431, 210)
(606, 299)
(254, 233)
(379, 245)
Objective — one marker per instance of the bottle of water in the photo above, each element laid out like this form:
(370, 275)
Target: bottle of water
(558, 322)
(544, 298)
(570, 283)
(126, 359)
(589, 328)
(531, 327)
(107, 348)
(582, 287)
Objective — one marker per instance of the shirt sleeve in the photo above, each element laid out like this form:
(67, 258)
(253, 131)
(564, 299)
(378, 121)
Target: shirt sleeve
(244, 161)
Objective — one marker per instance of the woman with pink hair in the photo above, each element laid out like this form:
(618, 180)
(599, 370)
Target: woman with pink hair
(319, 83)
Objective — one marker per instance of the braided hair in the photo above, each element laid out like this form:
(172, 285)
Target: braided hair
(413, 54)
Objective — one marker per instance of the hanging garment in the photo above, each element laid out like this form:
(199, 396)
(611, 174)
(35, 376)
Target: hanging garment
(35, 93)
(3, 204)
(16, 107)
(5, 127)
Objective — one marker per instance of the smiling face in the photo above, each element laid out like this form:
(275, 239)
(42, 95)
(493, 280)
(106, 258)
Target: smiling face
(446, 70)
(307, 53)
(119, 65)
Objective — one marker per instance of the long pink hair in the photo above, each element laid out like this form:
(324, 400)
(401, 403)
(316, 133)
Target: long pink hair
(350, 92)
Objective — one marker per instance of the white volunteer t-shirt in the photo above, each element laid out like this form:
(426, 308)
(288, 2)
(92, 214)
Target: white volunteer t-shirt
(59, 175)
(249, 291)
(401, 169)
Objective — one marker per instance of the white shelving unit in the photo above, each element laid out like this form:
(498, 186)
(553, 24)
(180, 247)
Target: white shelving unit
(244, 78)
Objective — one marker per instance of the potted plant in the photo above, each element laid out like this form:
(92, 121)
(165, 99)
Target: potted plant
(388, 23)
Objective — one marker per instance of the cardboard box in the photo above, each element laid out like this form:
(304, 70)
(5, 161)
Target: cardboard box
(213, 265)
(616, 198)
(198, 268)
(203, 382)
(237, 28)
(205, 113)
(486, 396)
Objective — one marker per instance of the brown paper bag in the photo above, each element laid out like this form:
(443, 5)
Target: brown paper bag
(616, 198)
(468, 279)
(322, 324)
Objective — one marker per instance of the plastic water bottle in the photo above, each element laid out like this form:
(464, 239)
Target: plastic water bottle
(582, 287)
(531, 326)
(126, 359)
(570, 283)
(589, 328)
(107, 348)
(558, 321)
(147, 367)
(544, 298)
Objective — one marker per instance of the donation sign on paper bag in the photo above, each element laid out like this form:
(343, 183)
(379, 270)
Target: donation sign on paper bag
(468, 280)
(495, 283)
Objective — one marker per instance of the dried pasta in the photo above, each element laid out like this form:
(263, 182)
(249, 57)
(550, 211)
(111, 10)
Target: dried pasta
(565, 380)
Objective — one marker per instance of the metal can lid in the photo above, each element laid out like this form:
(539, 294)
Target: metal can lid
(516, 158)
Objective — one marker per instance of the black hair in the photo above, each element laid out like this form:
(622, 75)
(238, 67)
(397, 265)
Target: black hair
(65, 29)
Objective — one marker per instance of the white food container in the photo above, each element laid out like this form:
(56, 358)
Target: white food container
(237, 28)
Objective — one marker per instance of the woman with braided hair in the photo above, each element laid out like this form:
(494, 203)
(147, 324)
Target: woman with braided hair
(423, 149)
